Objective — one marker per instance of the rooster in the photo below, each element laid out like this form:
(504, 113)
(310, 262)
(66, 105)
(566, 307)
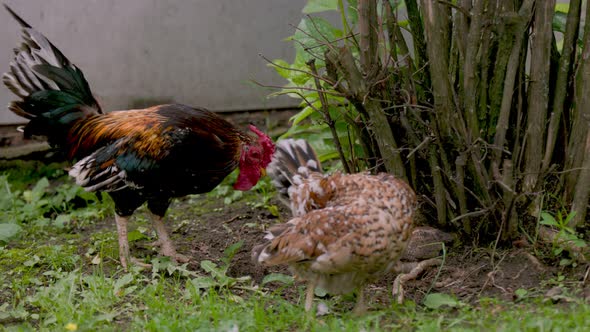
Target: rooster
(148, 155)
(347, 229)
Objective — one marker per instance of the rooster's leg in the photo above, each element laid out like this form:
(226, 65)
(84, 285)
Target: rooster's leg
(124, 255)
(166, 246)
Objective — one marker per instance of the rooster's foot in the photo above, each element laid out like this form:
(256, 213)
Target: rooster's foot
(168, 250)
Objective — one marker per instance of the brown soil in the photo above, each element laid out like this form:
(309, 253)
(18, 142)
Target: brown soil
(468, 273)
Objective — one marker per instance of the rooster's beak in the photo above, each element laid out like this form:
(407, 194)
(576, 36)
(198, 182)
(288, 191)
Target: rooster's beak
(262, 172)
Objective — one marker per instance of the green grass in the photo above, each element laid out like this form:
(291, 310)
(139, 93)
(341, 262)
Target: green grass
(50, 280)
(137, 302)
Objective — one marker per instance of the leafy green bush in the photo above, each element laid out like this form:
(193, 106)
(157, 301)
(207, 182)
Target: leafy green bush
(43, 205)
(460, 105)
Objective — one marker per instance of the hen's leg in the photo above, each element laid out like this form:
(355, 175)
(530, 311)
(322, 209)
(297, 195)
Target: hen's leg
(309, 294)
(410, 271)
(360, 307)
(166, 246)
(124, 255)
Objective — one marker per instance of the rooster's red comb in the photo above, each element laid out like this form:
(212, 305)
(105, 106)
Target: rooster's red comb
(267, 145)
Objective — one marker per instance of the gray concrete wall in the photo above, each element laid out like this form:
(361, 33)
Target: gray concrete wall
(198, 52)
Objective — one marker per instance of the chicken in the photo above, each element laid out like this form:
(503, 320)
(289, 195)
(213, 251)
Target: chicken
(347, 229)
(149, 155)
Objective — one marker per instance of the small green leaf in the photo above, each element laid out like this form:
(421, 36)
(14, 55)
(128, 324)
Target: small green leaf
(547, 219)
(136, 235)
(125, 280)
(328, 156)
(274, 210)
(160, 264)
(277, 277)
(39, 190)
(203, 282)
(281, 66)
(32, 262)
(312, 35)
(320, 292)
(579, 243)
(437, 300)
(231, 251)
(216, 272)
(301, 115)
(565, 262)
(8, 231)
(61, 220)
(318, 6)
(235, 298)
(403, 23)
(520, 293)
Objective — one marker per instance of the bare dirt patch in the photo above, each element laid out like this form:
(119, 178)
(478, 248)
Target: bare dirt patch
(468, 273)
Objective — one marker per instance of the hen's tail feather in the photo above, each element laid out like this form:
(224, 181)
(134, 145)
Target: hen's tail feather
(292, 159)
(53, 91)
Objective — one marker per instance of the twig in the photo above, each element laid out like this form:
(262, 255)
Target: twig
(296, 70)
(424, 142)
(458, 8)
(471, 214)
(232, 219)
(294, 88)
(335, 40)
(326, 113)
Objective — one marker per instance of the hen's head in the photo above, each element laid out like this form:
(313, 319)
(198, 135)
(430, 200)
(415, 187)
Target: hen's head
(254, 159)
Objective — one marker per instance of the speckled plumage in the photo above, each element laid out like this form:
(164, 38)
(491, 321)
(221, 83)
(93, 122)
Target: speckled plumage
(347, 229)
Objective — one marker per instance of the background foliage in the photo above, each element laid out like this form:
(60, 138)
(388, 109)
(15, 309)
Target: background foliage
(480, 105)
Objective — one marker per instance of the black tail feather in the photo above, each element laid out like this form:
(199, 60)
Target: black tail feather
(292, 157)
(16, 17)
(51, 89)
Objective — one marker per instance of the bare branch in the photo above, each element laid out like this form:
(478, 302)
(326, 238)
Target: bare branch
(326, 113)
(570, 40)
(454, 6)
(538, 91)
(294, 88)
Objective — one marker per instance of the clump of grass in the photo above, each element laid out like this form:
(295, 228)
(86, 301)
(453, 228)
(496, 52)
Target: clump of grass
(45, 205)
(23, 173)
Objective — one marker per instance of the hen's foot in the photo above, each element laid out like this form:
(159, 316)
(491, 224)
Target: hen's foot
(360, 308)
(415, 269)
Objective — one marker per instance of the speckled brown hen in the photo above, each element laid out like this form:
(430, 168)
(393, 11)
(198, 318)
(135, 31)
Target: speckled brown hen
(347, 229)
